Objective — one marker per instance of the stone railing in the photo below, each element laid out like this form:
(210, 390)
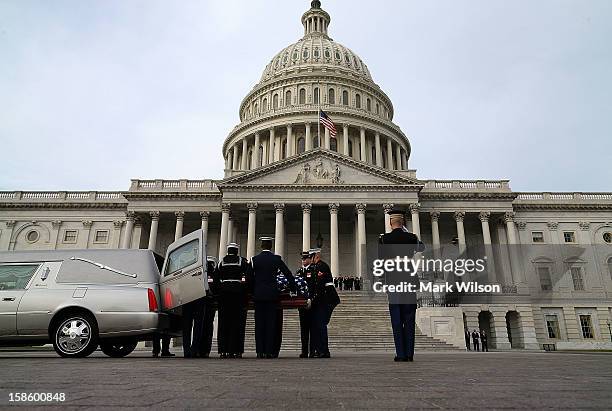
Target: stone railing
(563, 197)
(173, 185)
(70, 196)
(467, 185)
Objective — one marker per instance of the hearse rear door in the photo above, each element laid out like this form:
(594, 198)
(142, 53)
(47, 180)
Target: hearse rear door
(183, 277)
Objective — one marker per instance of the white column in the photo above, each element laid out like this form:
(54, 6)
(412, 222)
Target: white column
(56, 225)
(486, 232)
(306, 209)
(178, 231)
(459, 216)
(230, 229)
(327, 139)
(512, 245)
(486, 239)
(136, 233)
(235, 157)
(225, 212)
(362, 137)
(264, 159)
(251, 233)
(153, 232)
(333, 237)
(414, 213)
(290, 142)
(308, 142)
(509, 220)
(435, 232)
(361, 232)
(386, 208)
(255, 163)
(279, 229)
(378, 153)
(398, 156)
(117, 224)
(129, 228)
(87, 226)
(390, 164)
(271, 146)
(345, 140)
(245, 148)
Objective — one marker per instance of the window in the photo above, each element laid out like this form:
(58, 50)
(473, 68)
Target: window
(345, 98)
(315, 95)
(305, 54)
(249, 159)
(586, 326)
(288, 101)
(383, 153)
(350, 153)
(537, 237)
(275, 101)
(264, 105)
(545, 279)
(32, 236)
(552, 325)
(315, 142)
(255, 107)
(16, 276)
(373, 155)
(569, 237)
(369, 104)
(301, 145)
(182, 257)
(261, 151)
(302, 96)
(70, 236)
(577, 278)
(377, 109)
(332, 96)
(333, 144)
(358, 101)
(101, 236)
(284, 149)
(607, 237)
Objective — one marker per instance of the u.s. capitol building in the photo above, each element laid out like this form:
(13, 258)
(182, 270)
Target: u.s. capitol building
(285, 179)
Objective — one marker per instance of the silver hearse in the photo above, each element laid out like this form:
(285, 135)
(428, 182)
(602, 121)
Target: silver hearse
(79, 299)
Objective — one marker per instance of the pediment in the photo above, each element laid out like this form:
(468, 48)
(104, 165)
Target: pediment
(320, 168)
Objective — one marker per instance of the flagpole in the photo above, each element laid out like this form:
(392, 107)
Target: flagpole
(319, 118)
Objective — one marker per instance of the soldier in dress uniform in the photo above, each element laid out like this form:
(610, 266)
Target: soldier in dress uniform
(325, 299)
(475, 339)
(483, 341)
(192, 320)
(233, 272)
(210, 307)
(305, 312)
(264, 268)
(402, 308)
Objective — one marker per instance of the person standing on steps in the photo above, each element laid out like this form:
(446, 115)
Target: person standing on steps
(306, 312)
(324, 301)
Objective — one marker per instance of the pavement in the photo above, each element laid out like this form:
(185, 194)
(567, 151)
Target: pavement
(494, 380)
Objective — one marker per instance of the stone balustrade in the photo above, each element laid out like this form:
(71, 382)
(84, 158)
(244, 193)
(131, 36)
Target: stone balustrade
(451, 185)
(173, 185)
(62, 196)
(560, 197)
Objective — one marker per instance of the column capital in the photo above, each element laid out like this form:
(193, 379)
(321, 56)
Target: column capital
(459, 216)
(345, 125)
(272, 129)
(205, 215)
(333, 208)
(414, 208)
(552, 225)
(10, 223)
(226, 207)
(508, 217)
(484, 216)
(361, 208)
(435, 215)
(180, 215)
(57, 223)
(521, 225)
(252, 207)
(306, 208)
(584, 225)
(289, 127)
(388, 207)
(130, 216)
(256, 134)
(138, 222)
(279, 208)
(154, 215)
(87, 223)
(116, 223)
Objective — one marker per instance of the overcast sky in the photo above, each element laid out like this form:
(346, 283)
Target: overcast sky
(93, 93)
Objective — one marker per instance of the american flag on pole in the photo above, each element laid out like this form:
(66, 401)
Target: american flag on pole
(327, 123)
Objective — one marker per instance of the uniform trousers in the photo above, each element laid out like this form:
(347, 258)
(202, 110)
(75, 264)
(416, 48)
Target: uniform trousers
(321, 314)
(208, 327)
(403, 324)
(193, 320)
(266, 322)
(232, 320)
(306, 330)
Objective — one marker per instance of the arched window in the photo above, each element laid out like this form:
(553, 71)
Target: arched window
(315, 95)
(383, 152)
(250, 159)
(264, 105)
(315, 142)
(255, 107)
(358, 100)
(284, 149)
(261, 151)
(302, 96)
(332, 96)
(275, 101)
(301, 145)
(345, 98)
(333, 144)
(610, 266)
(377, 109)
(369, 104)
(350, 148)
(373, 155)
(288, 101)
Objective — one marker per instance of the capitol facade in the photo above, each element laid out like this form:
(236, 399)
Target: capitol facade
(288, 178)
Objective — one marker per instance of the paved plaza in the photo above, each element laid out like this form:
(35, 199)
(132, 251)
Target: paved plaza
(524, 380)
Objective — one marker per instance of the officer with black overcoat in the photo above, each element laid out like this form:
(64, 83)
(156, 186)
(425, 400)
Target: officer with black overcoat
(325, 299)
(483, 341)
(233, 271)
(402, 306)
(306, 312)
(210, 307)
(265, 266)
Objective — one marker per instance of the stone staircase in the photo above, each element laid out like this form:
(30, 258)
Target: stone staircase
(359, 323)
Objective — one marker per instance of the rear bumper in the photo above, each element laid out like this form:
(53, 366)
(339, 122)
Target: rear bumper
(127, 324)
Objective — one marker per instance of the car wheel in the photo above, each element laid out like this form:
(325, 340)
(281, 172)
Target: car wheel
(118, 349)
(76, 335)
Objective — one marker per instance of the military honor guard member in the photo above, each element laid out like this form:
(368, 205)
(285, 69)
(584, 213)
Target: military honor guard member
(192, 323)
(233, 271)
(402, 308)
(210, 307)
(324, 300)
(483, 341)
(264, 268)
(305, 313)
(476, 340)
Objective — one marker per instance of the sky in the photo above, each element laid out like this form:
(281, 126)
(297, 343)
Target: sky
(95, 93)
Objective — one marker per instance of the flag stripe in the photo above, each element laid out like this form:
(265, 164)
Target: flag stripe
(328, 123)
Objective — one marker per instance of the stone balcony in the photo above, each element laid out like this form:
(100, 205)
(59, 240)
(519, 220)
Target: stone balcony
(466, 185)
(183, 185)
(563, 200)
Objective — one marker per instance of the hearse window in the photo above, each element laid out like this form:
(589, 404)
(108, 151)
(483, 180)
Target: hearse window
(182, 257)
(16, 276)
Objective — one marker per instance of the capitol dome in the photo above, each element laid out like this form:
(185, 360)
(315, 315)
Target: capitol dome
(279, 116)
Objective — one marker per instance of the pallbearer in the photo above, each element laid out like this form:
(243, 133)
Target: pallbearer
(233, 272)
(324, 301)
(306, 313)
(210, 307)
(265, 266)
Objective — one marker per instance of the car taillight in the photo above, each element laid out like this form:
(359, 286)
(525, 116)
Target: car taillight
(152, 300)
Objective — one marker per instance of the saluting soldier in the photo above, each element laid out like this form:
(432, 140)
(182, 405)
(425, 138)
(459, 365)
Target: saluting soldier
(402, 308)
(264, 267)
(324, 301)
(305, 312)
(233, 273)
